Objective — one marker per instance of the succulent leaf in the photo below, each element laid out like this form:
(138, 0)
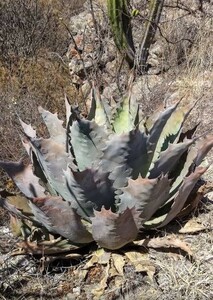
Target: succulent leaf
(145, 195)
(68, 109)
(165, 130)
(192, 159)
(28, 129)
(53, 160)
(100, 110)
(49, 247)
(29, 132)
(169, 158)
(47, 211)
(126, 115)
(137, 157)
(179, 200)
(91, 190)
(113, 231)
(22, 174)
(158, 125)
(114, 160)
(181, 169)
(87, 141)
(204, 147)
(54, 126)
(14, 210)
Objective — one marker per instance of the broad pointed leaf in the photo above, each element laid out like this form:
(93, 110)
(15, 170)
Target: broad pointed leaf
(28, 129)
(11, 208)
(145, 195)
(138, 157)
(182, 169)
(114, 160)
(185, 165)
(29, 132)
(169, 158)
(46, 247)
(22, 175)
(87, 141)
(126, 115)
(179, 201)
(100, 110)
(91, 190)
(58, 217)
(113, 231)
(53, 159)
(203, 148)
(165, 130)
(158, 126)
(54, 126)
(125, 155)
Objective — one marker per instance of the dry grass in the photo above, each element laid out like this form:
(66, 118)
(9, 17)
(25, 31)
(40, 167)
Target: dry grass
(30, 84)
(176, 276)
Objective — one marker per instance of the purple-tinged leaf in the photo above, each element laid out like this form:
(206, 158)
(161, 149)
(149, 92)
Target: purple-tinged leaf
(22, 175)
(54, 125)
(53, 160)
(169, 158)
(166, 129)
(114, 160)
(145, 195)
(28, 129)
(58, 217)
(11, 208)
(91, 189)
(137, 157)
(113, 231)
(29, 132)
(124, 156)
(179, 200)
(204, 146)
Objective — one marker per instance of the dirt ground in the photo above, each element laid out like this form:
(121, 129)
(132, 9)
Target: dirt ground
(176, 276)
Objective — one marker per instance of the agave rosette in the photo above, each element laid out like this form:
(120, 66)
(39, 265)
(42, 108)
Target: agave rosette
(106, 177)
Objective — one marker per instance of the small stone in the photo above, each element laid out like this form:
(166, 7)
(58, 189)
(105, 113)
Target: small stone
(77, 290)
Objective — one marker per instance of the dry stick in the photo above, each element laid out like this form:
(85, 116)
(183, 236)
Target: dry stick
(79, 53)
(156, 7)
(93, 17)
(97, 31)
(81, 59)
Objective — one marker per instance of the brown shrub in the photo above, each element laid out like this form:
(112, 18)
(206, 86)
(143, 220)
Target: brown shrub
(33, 72)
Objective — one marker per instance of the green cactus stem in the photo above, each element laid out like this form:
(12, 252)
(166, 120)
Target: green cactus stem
(120, 21)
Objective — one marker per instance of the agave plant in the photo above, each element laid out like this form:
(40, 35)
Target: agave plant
(104, 177)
